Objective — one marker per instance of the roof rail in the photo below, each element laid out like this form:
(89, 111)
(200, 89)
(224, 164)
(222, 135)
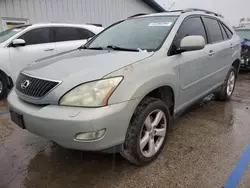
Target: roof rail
(140, 14)
(202, 10)
(174, 11)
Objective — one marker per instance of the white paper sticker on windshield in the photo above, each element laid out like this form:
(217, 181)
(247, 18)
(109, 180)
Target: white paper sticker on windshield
(160, 24)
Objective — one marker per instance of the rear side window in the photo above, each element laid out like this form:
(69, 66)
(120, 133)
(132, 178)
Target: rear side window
(214, 30)
(66, 34)
(191, 26)
(37, 36)
(85, 34)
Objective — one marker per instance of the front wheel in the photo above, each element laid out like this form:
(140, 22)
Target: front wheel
(147, 132)
(227, 89)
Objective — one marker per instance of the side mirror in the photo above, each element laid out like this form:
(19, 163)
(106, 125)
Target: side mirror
(18, 42)
(192, 43)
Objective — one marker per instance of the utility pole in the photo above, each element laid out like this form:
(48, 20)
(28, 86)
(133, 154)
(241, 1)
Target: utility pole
(171, 6)
(167, 4)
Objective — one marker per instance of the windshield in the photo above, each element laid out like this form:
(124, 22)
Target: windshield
(5, 35)
(244, 34)
(146, 33)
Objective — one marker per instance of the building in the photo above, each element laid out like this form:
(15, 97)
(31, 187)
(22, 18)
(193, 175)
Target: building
(103, 12)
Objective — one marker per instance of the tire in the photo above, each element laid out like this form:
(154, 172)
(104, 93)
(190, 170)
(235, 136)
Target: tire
(148, 109)
(224, 93)
(3, 86)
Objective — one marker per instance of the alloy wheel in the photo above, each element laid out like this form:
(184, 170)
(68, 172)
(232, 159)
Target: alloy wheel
(153, 133)
(230, 83)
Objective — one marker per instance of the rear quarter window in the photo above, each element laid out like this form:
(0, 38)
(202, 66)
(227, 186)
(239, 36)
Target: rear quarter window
(228, 31)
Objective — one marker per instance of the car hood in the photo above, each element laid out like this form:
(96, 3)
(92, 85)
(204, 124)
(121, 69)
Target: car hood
(83, 65)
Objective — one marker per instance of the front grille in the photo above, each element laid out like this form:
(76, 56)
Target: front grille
(34, 87)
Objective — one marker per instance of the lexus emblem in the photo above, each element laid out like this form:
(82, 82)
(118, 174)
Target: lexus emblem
(25, 84)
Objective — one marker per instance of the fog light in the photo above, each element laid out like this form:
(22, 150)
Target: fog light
(90, 135)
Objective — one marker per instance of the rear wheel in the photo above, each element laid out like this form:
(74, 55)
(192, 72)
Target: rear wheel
(3, 86)
(227, 89)
(147, 132)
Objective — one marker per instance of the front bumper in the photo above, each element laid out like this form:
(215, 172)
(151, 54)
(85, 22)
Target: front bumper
(61, 124)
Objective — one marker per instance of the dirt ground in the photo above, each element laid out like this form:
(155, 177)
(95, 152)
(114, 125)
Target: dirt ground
(202, 150)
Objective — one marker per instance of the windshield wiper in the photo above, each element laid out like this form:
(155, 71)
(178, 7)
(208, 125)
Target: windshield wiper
(91, 48)
(113, 47)
(122, 49)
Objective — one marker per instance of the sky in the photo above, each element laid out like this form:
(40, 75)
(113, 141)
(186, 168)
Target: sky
(232, 10)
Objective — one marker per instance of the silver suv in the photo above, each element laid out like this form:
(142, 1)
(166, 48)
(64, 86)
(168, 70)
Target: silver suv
(120, 91)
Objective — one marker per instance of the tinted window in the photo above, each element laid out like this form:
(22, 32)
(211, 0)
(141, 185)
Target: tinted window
(66, 34)
(85, 34)
(37, 36)
(214, 30)
(229, 33)
(224, 34)
(192, 26)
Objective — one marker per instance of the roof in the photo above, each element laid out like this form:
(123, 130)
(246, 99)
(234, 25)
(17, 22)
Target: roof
(92, 28)
(64, 24)
(154, 5)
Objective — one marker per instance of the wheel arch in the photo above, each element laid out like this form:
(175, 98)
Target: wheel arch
(236, 64)
(165, 93)
(9, 79)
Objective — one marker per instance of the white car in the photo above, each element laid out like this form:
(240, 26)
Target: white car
(25, 44)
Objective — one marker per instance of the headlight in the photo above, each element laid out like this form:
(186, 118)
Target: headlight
(92, 94)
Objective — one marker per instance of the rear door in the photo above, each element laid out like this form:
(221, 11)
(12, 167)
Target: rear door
(220, 53)
(69, 38)
(39, 44)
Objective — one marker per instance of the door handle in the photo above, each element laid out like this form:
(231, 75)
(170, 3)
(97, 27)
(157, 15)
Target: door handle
(211, 53)
(48, 50)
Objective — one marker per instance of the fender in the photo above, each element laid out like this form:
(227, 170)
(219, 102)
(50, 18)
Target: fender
(143, 77)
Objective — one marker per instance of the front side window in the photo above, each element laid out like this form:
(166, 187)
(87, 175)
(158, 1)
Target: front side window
(5, 35)
(37, 36)
(191, 26)
(66, 34)
(146, 33)
(214, 30)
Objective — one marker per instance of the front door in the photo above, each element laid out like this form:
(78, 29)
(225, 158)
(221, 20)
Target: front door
(38, 45)
(191, 63)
